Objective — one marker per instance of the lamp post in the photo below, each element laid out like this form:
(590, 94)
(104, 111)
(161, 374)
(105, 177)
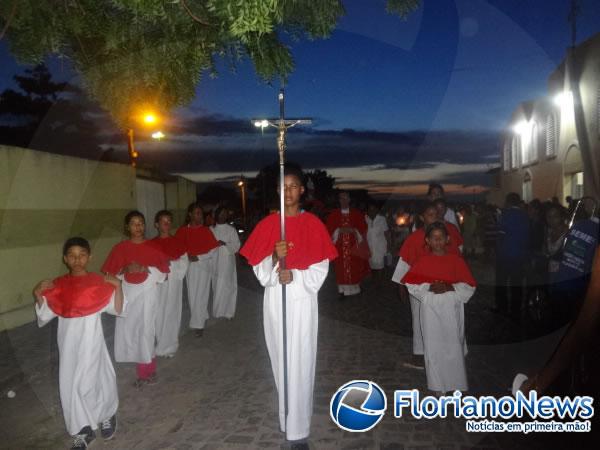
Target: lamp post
(242, 185)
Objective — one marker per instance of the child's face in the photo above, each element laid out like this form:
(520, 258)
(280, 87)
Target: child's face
(222, 217)
(437, 241)
(441, 210)
(164, 224)
(293, 190)
(197, 216)
(76, 259)
(136, 227)
(429, 216)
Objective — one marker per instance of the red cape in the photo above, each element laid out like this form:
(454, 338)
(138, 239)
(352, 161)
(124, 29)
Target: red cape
(126, 252)
(170, 246)
(415, 246)
(197, 239)
(308, 241)
(78, 296)
(448, 268)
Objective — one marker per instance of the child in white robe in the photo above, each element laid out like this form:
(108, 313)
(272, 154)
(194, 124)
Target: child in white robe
(88, 388)
(170, 293)
(142, 267)
(224, 280)
(443, 283)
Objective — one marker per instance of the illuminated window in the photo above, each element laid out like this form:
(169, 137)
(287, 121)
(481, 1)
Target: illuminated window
(515, 152)
(551, 135)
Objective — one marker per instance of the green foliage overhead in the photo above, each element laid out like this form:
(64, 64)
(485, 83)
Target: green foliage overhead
(151, 53)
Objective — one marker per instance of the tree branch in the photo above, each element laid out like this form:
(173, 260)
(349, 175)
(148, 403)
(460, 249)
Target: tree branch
(9, 20)
(192, 15)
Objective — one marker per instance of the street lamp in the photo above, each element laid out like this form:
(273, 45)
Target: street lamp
(242, 185)
(147, 119)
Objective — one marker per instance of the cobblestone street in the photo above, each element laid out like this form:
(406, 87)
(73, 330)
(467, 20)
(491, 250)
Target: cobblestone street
(218, 392)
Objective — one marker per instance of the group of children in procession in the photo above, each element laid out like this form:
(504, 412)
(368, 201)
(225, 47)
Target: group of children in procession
(142, 285)
(143, 281)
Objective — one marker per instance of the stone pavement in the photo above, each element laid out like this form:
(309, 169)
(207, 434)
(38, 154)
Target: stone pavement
(218, 392)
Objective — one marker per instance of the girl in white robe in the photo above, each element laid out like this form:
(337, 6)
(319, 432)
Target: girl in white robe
(442, 282)
(142, 267)
(224, 282)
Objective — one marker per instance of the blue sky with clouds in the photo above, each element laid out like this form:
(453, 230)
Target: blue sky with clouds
(396, 103)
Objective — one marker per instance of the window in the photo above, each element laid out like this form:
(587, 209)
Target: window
(551, 135)
(506, 155)
(577, 185)
(527, 188)
(515, 152)
(533, 152)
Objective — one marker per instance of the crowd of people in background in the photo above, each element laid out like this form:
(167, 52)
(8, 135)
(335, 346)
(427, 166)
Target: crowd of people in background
(542, 254)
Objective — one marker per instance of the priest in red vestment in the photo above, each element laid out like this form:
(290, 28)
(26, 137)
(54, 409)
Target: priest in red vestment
(348, 230)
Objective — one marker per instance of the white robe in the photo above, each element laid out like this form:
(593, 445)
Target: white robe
(377, 240)
(443, 325)
(302, 325)
(198, 280)
(86, 377)
(402, 269)
(168, 315)
(135, 328)
(224, 282)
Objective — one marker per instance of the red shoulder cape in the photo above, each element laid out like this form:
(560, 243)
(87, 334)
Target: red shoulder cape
(308, 241)
(449, 268)
(197, 240)
(126, 252)
(78, 296)
(171, 246)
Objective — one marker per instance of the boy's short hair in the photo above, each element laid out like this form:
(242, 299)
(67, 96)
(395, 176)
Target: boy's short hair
(162, 212)
(426, 206)
(436, 226)
(294, 170)
(131, 214)
(76, 242)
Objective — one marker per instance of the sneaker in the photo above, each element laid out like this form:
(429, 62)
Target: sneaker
(300, 446)
(83, 439)
(152, 379)
(139, 383)
(412, 365)
(108, 428)
(199, 333)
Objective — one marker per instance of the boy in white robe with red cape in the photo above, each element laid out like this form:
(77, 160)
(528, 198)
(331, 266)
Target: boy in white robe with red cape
(88, 387)
(307, 250)
(443, 283)
(170, 292)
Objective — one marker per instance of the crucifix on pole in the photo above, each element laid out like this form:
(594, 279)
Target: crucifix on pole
(282, 124)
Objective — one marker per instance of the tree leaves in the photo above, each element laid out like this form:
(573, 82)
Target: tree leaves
(136, 53)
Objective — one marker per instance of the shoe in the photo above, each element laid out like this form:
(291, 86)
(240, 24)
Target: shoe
(300, 446)
(199, 333)
(108, 428)
(411, 365)
(83, 439)
(151, 380)
(139, 383)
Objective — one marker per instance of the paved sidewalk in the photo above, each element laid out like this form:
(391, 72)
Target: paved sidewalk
(218, 392)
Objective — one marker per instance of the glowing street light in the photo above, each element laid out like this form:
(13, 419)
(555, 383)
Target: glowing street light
(564, 99)
(150, 118)
(262, 124)
(158, 135)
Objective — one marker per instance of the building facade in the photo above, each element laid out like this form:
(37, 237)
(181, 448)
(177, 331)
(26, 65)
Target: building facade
(551, 147)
